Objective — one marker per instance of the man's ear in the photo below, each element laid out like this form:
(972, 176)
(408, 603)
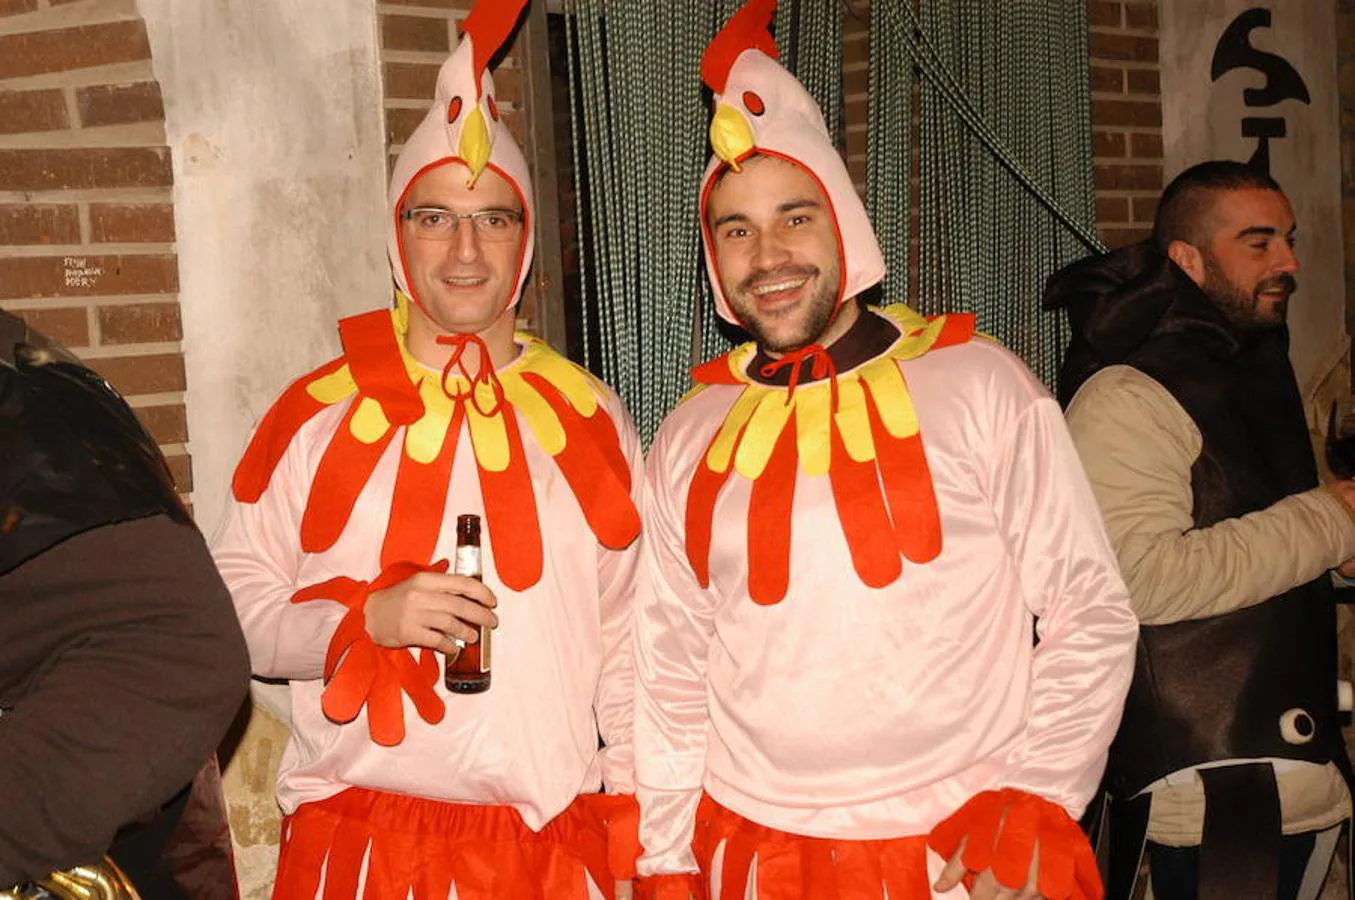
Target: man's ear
(1188, 259)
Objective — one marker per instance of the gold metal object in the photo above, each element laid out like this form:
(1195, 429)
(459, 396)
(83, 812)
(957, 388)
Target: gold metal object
(103, 881)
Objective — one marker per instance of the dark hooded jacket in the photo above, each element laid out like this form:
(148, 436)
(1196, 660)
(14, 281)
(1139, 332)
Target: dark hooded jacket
(124, 661)
(1216, 688)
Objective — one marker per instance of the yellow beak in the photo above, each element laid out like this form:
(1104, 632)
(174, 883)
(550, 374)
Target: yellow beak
(730, 135)
(474, 146)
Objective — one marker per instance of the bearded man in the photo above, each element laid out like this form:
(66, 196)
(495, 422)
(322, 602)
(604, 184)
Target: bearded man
(1185, 411)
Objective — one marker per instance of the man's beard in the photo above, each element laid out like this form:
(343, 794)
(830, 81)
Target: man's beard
(1245, 309)
(816, 314)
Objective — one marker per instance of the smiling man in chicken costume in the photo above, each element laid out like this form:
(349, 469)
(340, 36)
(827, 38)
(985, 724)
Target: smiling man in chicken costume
(335, 548)
(852, 527)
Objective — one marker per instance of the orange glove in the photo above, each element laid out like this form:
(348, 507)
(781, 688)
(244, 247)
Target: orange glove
(1003, 828)
(358, 672)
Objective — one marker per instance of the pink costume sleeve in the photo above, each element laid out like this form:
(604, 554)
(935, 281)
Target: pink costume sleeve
(671, 717)
(617, 574)
(1083, 662)
(257, 550)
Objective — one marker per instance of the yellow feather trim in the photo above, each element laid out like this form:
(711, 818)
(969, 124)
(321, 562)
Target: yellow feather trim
(424, 439)
(692, 392)
(338, 385)
(812, 408)
(853, 423)
(369, 423)
(908, 319)
(764, 409)
(489, 437)
(759, 439)
(542, 420)
(578, 385)
(890, 392)
(722, 448)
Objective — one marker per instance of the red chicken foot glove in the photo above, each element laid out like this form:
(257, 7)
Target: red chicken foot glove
(359, 673)
(1003, 830)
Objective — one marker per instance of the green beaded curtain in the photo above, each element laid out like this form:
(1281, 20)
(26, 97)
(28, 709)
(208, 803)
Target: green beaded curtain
(640, 120)
(1001, 148)
(987, 103)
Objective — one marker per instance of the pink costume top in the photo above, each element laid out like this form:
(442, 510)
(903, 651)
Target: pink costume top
(562, 668)
(856, 712)
(847, 551)
(358, 472)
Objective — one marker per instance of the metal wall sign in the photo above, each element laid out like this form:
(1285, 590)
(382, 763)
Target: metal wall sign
(1256, 81)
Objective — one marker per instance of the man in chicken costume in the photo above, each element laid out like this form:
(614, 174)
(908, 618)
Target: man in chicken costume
(335, 548)
(852, 526)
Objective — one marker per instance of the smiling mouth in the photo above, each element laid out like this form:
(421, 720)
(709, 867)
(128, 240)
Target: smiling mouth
(464, 282)
(779, 287)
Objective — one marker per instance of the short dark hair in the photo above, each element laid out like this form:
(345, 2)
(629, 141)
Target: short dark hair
(1188, 199)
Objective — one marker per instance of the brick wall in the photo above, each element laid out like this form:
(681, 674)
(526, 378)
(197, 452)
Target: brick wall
(855, 83)
(1126, 117)
(86, 222)
(416, 37)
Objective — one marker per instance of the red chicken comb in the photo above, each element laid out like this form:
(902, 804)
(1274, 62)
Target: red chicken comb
(489, 24)
(747, 29)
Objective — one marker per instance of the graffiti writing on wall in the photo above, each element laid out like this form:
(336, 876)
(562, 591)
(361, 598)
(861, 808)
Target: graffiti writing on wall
(1282, 81)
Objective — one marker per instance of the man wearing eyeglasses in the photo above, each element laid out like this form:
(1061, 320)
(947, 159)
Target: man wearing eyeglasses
(337, 542)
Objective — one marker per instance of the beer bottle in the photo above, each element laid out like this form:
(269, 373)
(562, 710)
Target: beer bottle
(468, 671)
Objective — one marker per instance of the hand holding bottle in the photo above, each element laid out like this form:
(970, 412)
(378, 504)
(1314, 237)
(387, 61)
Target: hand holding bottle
(430, 609)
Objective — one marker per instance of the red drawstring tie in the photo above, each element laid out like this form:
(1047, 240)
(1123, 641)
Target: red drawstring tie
(821, 367)
(484, 373)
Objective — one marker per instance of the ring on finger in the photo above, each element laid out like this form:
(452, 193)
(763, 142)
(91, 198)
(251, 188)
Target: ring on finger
(452, 646)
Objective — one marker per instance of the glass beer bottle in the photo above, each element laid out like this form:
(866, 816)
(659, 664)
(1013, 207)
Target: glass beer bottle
(468, 671)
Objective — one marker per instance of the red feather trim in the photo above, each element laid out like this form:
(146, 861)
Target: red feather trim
(795, 866)
(620, 815)
(670, 887)
(271, 439)
(865, 522)
(1001, 830)
(769, 515)
(958, 329)
(419, 501)
(714, 371)
(372, 349)
(488, 25)
(603, 491)
(747, 29)
(510, 511)
(339, 479)
(701, 496)
(420, 847)
(908, 485)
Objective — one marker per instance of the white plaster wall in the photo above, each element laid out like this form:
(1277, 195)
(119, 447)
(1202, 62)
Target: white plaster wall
(1201, 120)
(273, 116)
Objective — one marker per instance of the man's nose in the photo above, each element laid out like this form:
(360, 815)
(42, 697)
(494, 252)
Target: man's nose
(770, 251)
(465, 240)
(1286, 261)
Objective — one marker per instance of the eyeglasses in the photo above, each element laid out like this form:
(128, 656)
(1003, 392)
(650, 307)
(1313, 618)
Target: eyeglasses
(432, 223)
